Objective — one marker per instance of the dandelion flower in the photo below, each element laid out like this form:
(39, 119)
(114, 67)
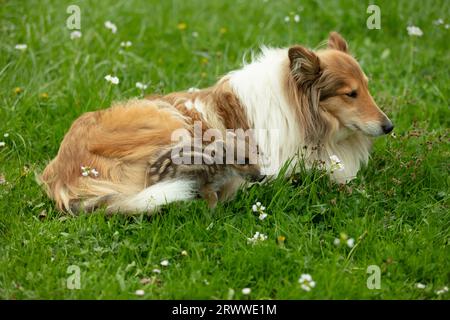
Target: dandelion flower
(414, 31)
(18, 90)
(112, 79)
(223, 30)
(21, 46)
(306, 282)
(44, 96)
(246, 291)
(165, 263)
(111, 26)
(141, 86)
(182, 26)
(139, 292)
(420, 286)
(75, 35)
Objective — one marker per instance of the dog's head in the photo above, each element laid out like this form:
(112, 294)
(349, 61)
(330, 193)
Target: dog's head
(335, 90)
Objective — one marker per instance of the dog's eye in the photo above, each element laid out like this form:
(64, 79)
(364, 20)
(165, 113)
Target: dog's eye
(352, 94)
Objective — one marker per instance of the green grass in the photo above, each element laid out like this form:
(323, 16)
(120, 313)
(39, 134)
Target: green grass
(397, 209)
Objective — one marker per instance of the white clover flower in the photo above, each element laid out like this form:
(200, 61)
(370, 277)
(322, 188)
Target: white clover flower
(286, 19)
(336, 164)
(438, 22)
(165, 263)
(297, 18)
(21, 46)
(447, 26)
(94, 172)
(88, 171)
(112, 79)
(259, 208)
(156, 271)
(258, 237)
(343, 238)
(6, 135)
(184, 253)
(420, 286)
(350, 242)
(141, 86)
(190, 90)
(111, 26)
(75, 35)
(246, 291)
(126, 44)
(139, 292)
(306, 282)
(85, 171)
(2, 144)
(442, 291)
(414, 31)
(195, 34)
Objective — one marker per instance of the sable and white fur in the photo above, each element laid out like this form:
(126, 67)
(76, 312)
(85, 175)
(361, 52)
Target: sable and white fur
(318, 101)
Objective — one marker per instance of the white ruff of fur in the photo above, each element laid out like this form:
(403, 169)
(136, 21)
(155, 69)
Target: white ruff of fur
(260, 88)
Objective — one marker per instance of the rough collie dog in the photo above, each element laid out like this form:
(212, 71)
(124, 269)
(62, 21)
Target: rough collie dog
(317, 104)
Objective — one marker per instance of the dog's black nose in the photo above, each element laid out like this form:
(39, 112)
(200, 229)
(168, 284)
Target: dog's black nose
(387, 127)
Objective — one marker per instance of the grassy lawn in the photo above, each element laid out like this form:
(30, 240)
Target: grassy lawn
(397, 210)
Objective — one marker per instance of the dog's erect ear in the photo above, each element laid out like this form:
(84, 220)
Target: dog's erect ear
(305, 65)
(336, 41)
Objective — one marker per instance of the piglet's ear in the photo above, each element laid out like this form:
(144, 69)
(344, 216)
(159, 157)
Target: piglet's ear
(304, 64)
(337, 42)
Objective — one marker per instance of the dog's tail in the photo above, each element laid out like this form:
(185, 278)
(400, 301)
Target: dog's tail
(147, 200)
